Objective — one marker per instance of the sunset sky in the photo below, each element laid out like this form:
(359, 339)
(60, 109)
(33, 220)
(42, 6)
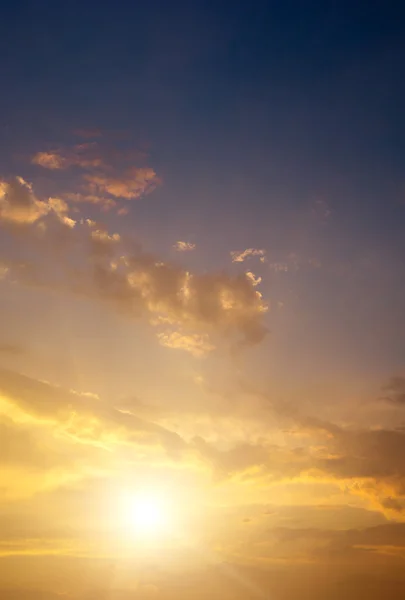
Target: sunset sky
(202, 294)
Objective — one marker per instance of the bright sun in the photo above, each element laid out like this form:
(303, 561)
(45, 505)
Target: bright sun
(147, 514)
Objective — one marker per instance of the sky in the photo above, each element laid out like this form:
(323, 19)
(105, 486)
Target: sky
(202, 291)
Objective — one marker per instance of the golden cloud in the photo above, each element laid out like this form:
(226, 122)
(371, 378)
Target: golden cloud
(252, 277)
(137, 283)
(106, 174)
(134, 183)
(197, 345)
(242, 255)
(184, 246)
(82, 417)
(82, 155)
(105, 203)
(19, 205)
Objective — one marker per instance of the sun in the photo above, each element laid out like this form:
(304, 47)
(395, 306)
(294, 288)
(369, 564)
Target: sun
(146, 514)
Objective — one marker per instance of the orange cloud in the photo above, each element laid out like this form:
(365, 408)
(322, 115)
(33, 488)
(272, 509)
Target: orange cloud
(184, 246)
(50, 160)
(133, 184)
(242, 255)
(253, 279)
(105, 174)
(82, 155)
(19, 205)
(135, 282)
(195, 344)
(105, 203)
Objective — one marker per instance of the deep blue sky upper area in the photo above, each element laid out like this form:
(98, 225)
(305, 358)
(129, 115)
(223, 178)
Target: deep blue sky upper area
(286, 99)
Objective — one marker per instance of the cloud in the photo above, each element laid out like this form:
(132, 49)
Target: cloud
(20, 206)
(102, 243)
(119, 272)
(253, 279)
(184, 246)
(394, 504)
(60, 208)
(366, 454)
(105, 203)
(82, 155)
(197, 345)
(279, 267)
(50, 160)
(293, 263)
(134, 183)
(338, 544)
(20, 447)
(83, 417)
(105, 174)
(245, 458)
(18, 203)
(242, 255)
(365, 463)
(206, 303)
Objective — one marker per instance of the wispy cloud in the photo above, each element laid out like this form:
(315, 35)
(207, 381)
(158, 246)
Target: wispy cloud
(195, 344)
(242, 255)
(252, 277)
(133, 184)
(105, 174)
(85, 156)
(184, 246)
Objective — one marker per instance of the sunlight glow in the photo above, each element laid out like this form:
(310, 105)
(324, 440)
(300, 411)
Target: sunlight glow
(146, 514)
